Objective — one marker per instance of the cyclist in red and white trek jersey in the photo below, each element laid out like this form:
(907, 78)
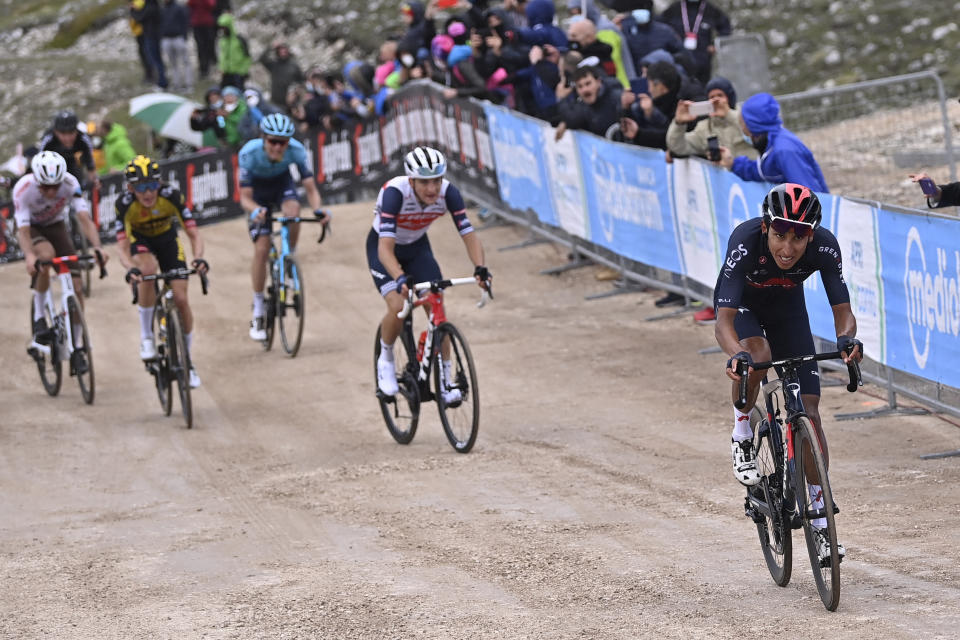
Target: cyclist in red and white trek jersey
(398, 250)
(41, 204)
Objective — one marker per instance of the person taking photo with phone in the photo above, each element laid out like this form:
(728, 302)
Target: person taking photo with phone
(722, 124)
(944, 195)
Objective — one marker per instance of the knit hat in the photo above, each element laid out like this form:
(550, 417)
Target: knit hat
(721, 83)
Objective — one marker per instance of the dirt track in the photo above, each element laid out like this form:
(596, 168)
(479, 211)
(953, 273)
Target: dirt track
(597, 503)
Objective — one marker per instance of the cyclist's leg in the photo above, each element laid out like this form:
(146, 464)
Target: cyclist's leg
(44, 250)
(422, 266)
(750, 332)
(290, 206)
(171, 255)
(143, 259)
(390, 324)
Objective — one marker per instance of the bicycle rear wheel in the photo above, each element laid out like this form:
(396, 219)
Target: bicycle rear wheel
(773, 516)
(48, 365)
(292, 307)
(402, 411)
(458, 399)
(161, 368)
(81, 360)
(179, 362)
(826, 571)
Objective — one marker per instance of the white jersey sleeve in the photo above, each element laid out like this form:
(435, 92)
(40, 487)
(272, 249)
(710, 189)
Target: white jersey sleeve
(32, 207)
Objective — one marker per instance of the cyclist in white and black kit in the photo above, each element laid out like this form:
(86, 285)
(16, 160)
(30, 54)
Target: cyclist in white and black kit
(761, 310)
(398, 250)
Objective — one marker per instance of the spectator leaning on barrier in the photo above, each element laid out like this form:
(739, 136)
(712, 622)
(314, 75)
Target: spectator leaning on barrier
(783, 157)
(117, 149)
(938, 195)
(648, 115)
(210, 119)
(234, 58)
(283, 68)
(597, 107)
(723, 124)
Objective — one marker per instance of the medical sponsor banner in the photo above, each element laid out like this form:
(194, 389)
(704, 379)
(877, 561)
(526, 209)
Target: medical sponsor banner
(700, 244)
(920, 265)
(566, 184)
(734, 201)
(629, 200)
(520, 167)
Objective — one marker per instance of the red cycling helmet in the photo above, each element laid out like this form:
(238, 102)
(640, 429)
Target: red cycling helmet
(792, 206)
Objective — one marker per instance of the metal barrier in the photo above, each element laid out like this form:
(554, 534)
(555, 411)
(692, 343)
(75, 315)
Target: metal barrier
(868, 136)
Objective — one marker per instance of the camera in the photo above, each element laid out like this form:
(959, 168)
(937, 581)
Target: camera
(713, 149)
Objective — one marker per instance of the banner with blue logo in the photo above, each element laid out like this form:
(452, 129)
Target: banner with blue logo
(921, 281)
(521, 170)
(630, 203)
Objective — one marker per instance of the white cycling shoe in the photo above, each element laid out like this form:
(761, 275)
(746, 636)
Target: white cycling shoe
(148, 350)
(194, 378)
(823, 547)
(257, 330)
(387, 377)
(745, 463)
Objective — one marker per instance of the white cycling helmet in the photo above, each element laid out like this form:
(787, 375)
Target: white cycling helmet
(424, 162)
(49, 167)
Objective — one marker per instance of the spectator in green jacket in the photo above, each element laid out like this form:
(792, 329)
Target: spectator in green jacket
(117, 149)
(236, 108)
(234, 59)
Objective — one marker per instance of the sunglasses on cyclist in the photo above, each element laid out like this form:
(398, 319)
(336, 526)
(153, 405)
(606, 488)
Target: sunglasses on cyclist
(278, 141)
(140, 187)
(800, 229)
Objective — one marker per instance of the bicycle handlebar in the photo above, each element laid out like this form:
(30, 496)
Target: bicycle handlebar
(439, 285)
(284, 220)
(59, 261)
(853, 369)
(170, 275)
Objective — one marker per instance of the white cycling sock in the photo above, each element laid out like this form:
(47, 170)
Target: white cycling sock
(741, 426)
(386, 351)
(189, 338)
(38, 298)
(816, 502)
(258, 304)
(448, 371)
(146, 322)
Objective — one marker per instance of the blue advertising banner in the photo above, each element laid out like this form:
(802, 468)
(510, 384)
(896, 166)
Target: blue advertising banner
(521, 171)
(734, 201)
(630, 208)
(921, 283)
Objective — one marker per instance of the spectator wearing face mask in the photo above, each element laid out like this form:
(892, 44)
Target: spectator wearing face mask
(723, 123)
(608, 33)
(783, 157)
(697, 23)
(235, 108)
(210, 119)
(644, 33)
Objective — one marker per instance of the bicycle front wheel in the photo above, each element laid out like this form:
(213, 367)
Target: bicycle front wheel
(402, 411)
(455, 381)
(770, 513)
(161, 368)
(48, 365)
(270, 305)
(826, 568)
(179, 359)
(81, 359)
(292, 307)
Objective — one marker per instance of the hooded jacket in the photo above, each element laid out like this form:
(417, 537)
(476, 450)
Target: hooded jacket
(786, 158)
(117, 150)
(542, 30)
(234, 56)
(420, 32)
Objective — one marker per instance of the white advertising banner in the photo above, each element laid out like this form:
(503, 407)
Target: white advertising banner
(566, 184)
(696, 222)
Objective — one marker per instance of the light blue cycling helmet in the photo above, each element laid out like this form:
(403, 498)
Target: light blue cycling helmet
(425, 162)
(277, 124)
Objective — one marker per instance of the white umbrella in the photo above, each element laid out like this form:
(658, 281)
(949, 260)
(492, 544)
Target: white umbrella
(168, 114)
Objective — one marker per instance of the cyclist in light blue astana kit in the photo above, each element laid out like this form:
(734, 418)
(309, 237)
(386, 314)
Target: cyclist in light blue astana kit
(266, 185)
(398, 251)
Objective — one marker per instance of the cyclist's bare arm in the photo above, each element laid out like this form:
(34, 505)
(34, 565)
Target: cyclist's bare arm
(313, 194)
(90, 230)
(474, 249)
(246, 200)
(26, 245)
(726, 334)
(385, 247)
(846, 325)
(196, 242)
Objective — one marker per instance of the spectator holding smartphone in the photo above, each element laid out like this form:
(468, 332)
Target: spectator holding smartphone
(946, 195)
(723, 124)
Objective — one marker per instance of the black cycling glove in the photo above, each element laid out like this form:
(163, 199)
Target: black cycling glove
(133, 271)
(742, 356)
(846, 344)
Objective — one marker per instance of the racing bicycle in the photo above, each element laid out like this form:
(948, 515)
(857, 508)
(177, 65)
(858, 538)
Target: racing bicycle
(67, 338)
(172, 363)
(285, 298)
(82, 246)
(455, 387)
(790, 459)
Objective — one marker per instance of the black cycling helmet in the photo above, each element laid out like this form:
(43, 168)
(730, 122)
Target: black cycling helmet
(142, 168)
(65, 121)
(794, 203)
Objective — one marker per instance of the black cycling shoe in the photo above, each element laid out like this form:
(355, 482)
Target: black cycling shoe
(78, 363)
(42, 334)
(669, 299)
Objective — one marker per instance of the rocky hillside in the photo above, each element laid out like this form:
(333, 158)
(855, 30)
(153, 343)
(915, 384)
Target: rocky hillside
(81, 53)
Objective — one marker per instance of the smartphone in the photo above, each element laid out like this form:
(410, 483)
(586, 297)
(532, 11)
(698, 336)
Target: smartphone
(698, 109)
(928, 187)
(713, 149)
